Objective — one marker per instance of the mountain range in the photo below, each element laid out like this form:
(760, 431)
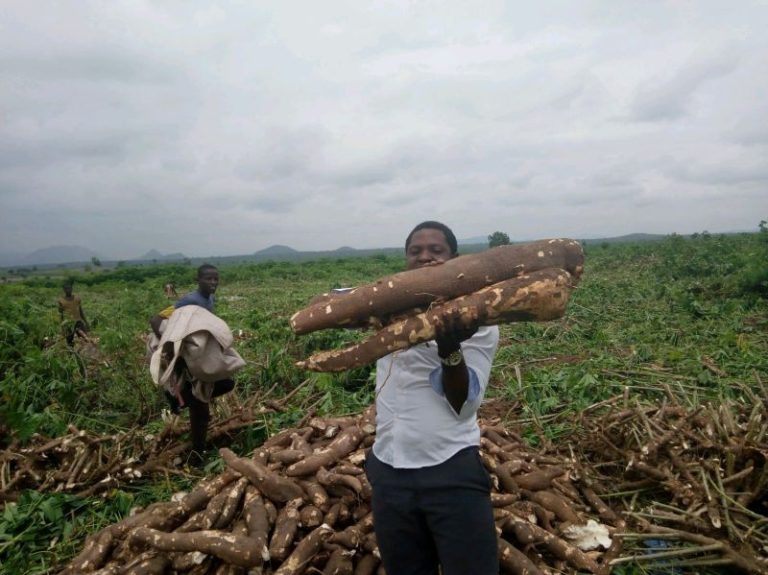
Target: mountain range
(71, 255)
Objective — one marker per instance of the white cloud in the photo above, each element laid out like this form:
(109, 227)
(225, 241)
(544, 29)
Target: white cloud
(124, 125)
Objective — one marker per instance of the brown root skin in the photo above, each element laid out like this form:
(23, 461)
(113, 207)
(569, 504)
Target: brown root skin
(256, 521)
(556, 504)
(330, 479)
(453, 278)
(342, 445)
(317, 494)
(304, 551)
(367, 565)
(255, 513)
(515, 561)
(272, 485)
(164, 516)
(339, 563)
(111, 569)
(157, 565)
(286, 527)
(231, 504)
(527, 534)
(539, 296)
(234, 549)
(310, 516)
(539, 479)
(199, 497)
(94, 554)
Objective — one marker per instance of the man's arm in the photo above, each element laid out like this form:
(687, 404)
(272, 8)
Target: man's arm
(449, 336)
(154, 323)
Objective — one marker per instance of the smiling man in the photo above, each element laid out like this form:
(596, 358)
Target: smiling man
(431, 493)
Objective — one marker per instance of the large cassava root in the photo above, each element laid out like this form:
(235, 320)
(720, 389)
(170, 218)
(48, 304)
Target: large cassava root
(538, 296)
(456, 277)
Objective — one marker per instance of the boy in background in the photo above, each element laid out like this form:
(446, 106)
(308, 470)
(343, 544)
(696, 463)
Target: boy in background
(207, 284)
(71, 313)
(182, 396)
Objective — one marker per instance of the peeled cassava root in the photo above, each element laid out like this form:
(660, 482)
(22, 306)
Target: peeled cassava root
(528, 282)
(265, 516)
(539, 296)
(420, 287)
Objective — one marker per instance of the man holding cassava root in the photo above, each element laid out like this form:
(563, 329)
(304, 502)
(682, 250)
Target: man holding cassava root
(431, 493)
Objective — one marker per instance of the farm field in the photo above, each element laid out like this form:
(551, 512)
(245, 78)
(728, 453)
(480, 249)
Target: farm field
(654, 385)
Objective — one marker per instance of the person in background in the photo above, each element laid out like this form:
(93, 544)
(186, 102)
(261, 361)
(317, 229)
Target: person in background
(170, 291)
(199, 411)
(71, 314)
(431, 500)
(207, 283)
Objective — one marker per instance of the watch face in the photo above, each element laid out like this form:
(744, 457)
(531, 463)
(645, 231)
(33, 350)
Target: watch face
(453, 359)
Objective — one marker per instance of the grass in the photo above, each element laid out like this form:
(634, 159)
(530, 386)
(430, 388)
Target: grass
(686, 315)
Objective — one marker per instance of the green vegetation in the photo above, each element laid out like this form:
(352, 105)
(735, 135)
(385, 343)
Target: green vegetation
(498, 239)
(688, 315)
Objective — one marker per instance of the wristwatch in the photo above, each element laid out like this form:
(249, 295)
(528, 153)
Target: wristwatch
(452, 359)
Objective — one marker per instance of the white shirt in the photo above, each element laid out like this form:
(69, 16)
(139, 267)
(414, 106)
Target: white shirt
(415, 424)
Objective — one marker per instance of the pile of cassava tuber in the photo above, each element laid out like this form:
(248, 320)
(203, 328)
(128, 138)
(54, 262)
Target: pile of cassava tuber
(523, 282)
(301, 504)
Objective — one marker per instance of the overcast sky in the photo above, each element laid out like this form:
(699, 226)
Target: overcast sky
(221, 128)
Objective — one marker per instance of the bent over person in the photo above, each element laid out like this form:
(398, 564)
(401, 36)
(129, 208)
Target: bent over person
(431, 501)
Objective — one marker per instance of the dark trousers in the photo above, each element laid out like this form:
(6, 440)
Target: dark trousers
(75, 328)
(439, 515)
(200, 411)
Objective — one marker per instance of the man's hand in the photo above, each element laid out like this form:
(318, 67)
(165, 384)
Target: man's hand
(452, 330)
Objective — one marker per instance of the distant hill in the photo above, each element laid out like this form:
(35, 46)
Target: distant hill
(275, 250)
(627, 238)
(151, 255)
(154, 255)
(72, 256)
(58, 255)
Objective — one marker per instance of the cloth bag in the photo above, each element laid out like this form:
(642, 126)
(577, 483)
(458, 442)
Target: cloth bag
(204, 342)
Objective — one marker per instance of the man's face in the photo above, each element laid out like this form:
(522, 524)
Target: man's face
(428, 246)
(207, 282)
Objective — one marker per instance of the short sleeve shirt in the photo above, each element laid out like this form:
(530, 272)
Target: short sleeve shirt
(415, 424)
(196, 298)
